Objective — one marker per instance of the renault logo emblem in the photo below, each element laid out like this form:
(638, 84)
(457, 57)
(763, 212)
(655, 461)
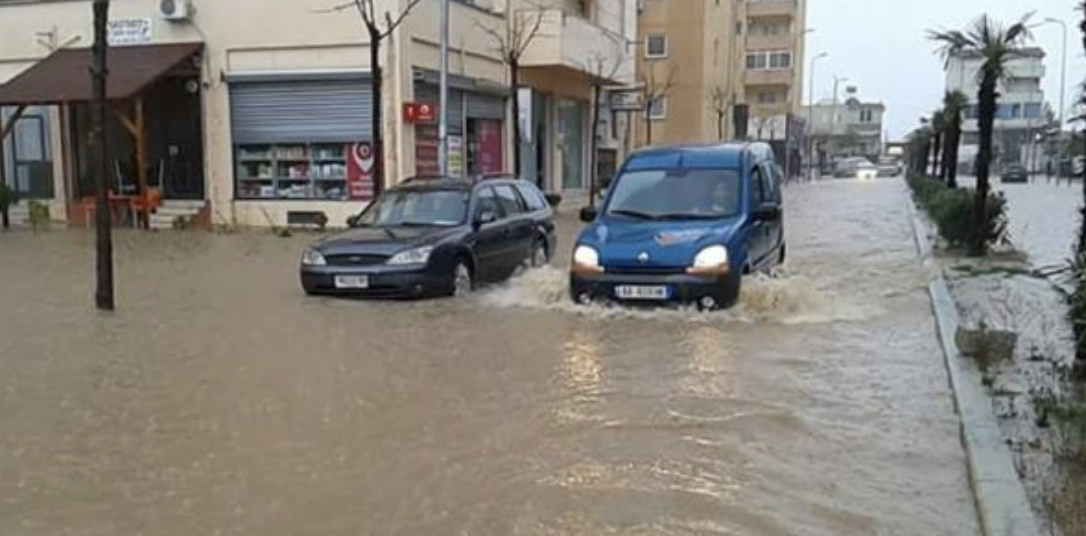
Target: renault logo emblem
(643, 257)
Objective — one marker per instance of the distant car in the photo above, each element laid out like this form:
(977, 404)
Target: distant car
(434, 237)
(889, 167)
(1014, 173)
(865, 171)
(682, 224)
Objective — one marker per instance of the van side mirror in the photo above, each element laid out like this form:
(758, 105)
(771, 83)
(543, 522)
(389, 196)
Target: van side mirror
(767, 213)
(589, 214)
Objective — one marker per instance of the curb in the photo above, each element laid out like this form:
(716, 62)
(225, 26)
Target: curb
(1002, 505)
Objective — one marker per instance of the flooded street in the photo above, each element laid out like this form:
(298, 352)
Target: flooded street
(220, 400)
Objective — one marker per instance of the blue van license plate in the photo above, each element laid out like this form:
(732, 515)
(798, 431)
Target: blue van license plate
(642, 292)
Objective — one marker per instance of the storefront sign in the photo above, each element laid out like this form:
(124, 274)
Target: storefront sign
(524, 119)
(137, 31)
(360, 165)
(627, 99)
(419, 112)
(455, 164)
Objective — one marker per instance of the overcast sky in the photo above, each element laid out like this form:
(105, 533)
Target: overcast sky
(882, 48)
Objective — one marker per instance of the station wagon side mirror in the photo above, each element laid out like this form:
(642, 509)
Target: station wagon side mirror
(484, 218)
(767, 213)
(588, 214)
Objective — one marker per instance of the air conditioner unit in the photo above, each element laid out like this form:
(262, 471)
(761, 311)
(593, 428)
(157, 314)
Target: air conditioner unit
(176, 10)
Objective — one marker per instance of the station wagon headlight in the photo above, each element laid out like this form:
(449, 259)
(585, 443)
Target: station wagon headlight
(312, 257)
(586, 259)
(713, 259)
(412, 256)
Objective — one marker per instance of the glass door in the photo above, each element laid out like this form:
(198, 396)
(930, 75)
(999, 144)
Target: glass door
(571, 119)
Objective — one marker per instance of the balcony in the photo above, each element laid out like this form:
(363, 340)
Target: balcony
(770, 42)
(567, 41)
(771, 77)
(772, 8)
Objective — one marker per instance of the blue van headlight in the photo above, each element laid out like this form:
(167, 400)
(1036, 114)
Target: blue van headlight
(586, 259)
(710, 260)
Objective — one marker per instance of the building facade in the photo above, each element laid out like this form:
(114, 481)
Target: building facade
(1022, 113)
(773, 47)
(270, 121)
(722, 69)
(846, 129)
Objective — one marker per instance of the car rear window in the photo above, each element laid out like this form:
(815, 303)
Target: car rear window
(509, 200)
(532, 197)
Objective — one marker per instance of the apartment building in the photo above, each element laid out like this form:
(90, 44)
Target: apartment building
(853, 127)
(720, 69)
(688, 67)
(1022, 113)
(259, 112)
(773, 44)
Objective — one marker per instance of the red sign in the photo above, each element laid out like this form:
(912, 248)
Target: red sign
(419, 112)
(360, 163)
(491, 146)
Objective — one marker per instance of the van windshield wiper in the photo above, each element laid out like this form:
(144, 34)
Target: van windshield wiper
(632, 214)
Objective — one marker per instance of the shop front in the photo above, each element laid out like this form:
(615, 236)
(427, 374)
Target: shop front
(155, 149)
(476, 127)
(302, 138)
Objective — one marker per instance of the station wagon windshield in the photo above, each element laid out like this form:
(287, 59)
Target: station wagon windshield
(676, 194)
(437, 208)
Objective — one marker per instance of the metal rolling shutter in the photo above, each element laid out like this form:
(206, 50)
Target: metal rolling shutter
(486, 107)
(291, 111)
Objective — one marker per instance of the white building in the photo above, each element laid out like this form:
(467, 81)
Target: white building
(1022, 112)
(258, 112)
(849, 128)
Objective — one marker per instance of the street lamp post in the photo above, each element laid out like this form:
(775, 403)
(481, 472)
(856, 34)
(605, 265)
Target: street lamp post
(810, 116)
(443, 99)
(833, 123)
(1062, 118)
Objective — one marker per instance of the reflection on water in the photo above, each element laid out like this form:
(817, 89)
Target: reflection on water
(219, 400)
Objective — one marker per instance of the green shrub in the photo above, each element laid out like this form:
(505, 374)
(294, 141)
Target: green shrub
(952, 211)
(39, 215)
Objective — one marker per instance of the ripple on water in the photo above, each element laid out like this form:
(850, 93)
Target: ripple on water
(779, 298)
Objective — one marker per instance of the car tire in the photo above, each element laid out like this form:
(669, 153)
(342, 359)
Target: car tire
(538, 257)
(463, 279)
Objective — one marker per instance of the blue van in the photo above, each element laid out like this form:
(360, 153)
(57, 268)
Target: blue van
(682, 224)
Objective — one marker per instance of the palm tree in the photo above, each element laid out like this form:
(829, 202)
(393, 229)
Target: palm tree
(1082, 230)
(995, 44)
(954, 105)
(938, 128)
(918, 149)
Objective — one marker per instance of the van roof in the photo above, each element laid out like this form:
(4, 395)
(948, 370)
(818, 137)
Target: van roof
(716, 155)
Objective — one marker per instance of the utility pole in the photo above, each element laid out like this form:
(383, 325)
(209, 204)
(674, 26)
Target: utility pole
(103, 296)
(810, 117)
(833, 122)
(443, 102)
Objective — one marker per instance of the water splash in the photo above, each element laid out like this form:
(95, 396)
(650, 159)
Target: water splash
(779, 298)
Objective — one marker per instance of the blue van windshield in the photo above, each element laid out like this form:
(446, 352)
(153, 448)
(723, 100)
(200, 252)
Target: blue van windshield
(676, 194)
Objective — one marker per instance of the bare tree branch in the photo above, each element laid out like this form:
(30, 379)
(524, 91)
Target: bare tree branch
(393, 24)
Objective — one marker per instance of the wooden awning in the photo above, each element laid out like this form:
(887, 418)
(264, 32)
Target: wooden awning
(64, 76)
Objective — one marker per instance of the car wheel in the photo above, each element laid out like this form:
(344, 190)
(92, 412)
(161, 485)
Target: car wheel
(538, 258)
(463, 281)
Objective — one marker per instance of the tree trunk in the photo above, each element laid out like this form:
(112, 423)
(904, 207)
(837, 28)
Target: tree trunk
(954, 138)
(987, 100)
(936, 144)
(719, 125)
(103, 297)
(593, 145)
(377, 87)
(648, 123)
(5, 218)
(514, 88)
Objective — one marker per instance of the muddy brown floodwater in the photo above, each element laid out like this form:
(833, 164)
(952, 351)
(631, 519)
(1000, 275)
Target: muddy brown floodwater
(219, 400)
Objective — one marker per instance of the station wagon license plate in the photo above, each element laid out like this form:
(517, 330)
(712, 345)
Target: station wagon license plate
(642, 292)
(352, 281)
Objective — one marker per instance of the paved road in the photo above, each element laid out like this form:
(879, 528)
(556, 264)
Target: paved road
(219, 400)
